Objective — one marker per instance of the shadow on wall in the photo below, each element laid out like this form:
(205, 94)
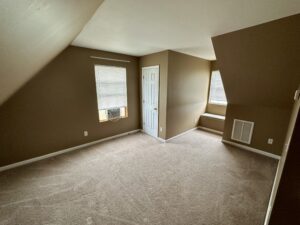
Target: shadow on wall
(260, 72)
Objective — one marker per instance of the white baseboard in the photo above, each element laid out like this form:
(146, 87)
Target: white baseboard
(183, 133)
(261, 152)
(158, 138)
(28, 161)
(161, 140)
(211, 130)
(178, 135)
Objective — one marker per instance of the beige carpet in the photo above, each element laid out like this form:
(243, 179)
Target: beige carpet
(194, 179)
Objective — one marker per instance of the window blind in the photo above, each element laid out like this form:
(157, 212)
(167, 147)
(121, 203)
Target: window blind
(217, 93)
(111, 87)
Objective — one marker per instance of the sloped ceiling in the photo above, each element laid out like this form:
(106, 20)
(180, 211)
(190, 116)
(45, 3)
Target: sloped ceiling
(260, 64)
(141, 27)
(33, 32)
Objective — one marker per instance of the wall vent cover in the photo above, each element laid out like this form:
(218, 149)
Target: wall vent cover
(242, 131)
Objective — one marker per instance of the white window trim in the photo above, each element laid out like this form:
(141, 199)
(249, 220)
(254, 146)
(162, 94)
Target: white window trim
(126, 107)
(217, 103)
(212, 102)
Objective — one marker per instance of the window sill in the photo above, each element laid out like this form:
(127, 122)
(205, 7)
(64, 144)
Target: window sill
(217, 103)
(113, 120)
(214, 116)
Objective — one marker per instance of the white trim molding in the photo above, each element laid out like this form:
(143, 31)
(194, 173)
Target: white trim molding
(167, 140)
(213, 116)
(244, 147)
(183, 133)
(161, 140)
(157, 138)
(109, 59)
(28, 161)
(211, 130)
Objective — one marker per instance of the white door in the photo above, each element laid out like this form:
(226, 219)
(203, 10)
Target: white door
(150, 92)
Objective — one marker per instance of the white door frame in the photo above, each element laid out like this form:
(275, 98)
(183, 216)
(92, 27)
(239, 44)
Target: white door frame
(158, 93)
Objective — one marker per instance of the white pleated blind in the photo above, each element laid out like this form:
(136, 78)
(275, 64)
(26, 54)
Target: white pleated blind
(111, 87)
(217, 93)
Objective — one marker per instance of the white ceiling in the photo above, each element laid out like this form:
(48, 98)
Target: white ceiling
(33, 32)
(140, 27)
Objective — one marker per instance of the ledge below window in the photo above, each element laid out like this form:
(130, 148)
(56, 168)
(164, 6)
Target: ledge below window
(215, 116)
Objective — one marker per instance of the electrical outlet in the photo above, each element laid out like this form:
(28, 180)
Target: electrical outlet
(160, 129)
(85, 133)
(196, 120)
(270, 141)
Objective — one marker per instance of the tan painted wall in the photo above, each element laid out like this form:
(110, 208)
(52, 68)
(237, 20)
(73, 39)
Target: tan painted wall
(160, 59)
(260, 65)
(33, 33)
(212, 123)
(216, 109)
(51, 111)
(270, 122)
(214, 65)
(260, 71)
(188, 79)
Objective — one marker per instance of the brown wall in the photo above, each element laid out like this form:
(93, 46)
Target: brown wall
(53, 109)
(214, 65)
(259, 65)
(260, 71)
(269, 122)
(161, 59)
(188, 79)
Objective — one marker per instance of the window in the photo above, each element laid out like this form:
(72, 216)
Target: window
(217, 93)
(111, 92)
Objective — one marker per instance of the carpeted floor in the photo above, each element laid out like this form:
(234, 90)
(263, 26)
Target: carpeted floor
(136, 180)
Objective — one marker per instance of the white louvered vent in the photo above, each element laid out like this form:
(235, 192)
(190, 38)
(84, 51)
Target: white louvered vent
(242, 131)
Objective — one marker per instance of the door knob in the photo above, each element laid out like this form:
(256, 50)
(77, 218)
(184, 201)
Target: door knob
(155, 108)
